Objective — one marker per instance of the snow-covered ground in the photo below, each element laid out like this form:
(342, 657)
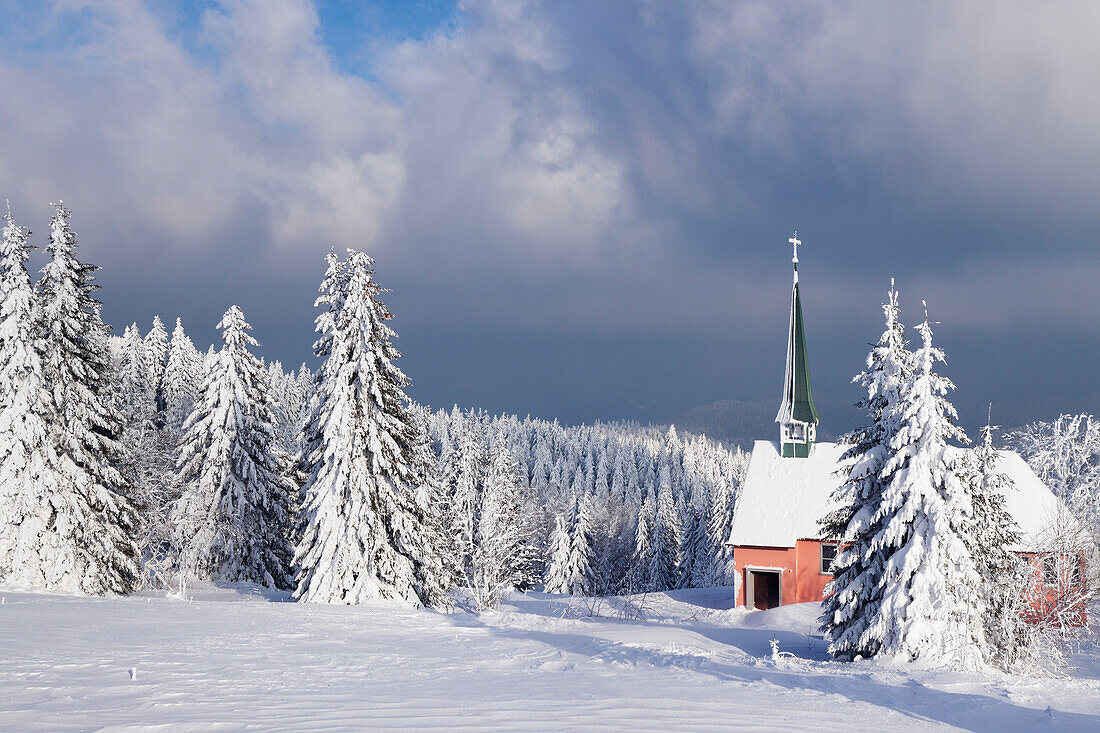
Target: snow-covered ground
(235, 659)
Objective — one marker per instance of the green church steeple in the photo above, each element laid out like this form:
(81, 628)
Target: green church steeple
(797, 415)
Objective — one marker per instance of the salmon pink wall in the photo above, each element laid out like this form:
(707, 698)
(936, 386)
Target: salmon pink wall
(811, 583)
(1063, 602)
(767, 557)
(802, 580)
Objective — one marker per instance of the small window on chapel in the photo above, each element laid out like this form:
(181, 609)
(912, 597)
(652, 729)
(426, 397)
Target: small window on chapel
(1050, 570)
(828, 554)
(1073, 566)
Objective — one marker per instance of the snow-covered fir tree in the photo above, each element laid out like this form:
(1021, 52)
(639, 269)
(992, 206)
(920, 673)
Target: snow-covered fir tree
(149, 453)
(444, 561)
(364, 532)
(858, 569)
(330, 301)
(611, 545)
(556, 580)
(76, 358)
(641, 568)
(500, 559)
(234, 517)
(580, 550)
(135, 395)
(63, 526)
(209, 358)
(156, 360)
(569, 568)
(1001, 570)
(332, 294)
(719, 527)
(926, 599)
(150, 435)
(664, 558)
(995, 529)
(697, 556)
(183, 379)
(465, 479)
(289, 403)
(305, 383)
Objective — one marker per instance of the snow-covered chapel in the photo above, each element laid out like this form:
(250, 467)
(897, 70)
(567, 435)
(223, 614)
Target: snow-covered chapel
(779, 554)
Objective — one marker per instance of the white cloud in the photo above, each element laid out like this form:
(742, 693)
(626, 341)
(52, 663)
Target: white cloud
(347, 195)
(984, 101)
(549, 137)
(132, 121)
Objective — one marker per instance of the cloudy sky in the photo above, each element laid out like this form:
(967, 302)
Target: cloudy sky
(583, 208)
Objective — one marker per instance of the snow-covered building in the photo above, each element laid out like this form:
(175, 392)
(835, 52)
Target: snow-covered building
(780, 555)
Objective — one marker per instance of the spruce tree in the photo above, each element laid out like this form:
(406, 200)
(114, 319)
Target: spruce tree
(331, 297)
(306, 382)
(442, 558)
(330, 300)
(697, 556)
(501, 557)
(995, 529)
(642, 559)
(931, 604)
(994, 532)
(466, 487)
(924, 581)
(569, 569)
(148, 454)
(234, 517)
(557, 564)
(664, 560)
(364, 535)
(156, 360)
(64, 525)
(76, 358)
(855, 591)
(719, 528)
(580, 543)
(149, 439)
(183, 379)
(291, 403)
(135, 397)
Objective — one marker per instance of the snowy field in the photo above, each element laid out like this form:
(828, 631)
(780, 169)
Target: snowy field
(233, 659)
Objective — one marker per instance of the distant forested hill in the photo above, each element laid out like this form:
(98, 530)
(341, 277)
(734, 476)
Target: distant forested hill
(740, 422)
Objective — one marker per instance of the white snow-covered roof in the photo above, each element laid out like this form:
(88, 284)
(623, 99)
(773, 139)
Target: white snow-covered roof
(1030, 502)
(783, 498)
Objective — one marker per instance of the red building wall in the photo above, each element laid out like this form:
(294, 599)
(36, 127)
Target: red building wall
(803, 580)
(1060, 600)
(801, 564)
(811, 581)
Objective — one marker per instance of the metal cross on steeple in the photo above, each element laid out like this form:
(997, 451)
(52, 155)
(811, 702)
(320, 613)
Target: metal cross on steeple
(795, 241)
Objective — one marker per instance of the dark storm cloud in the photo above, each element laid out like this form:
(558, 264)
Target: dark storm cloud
(582, 208)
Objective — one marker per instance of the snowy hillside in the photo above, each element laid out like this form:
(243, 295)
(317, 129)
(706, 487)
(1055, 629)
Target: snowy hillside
(232, 659)
(741, 423)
